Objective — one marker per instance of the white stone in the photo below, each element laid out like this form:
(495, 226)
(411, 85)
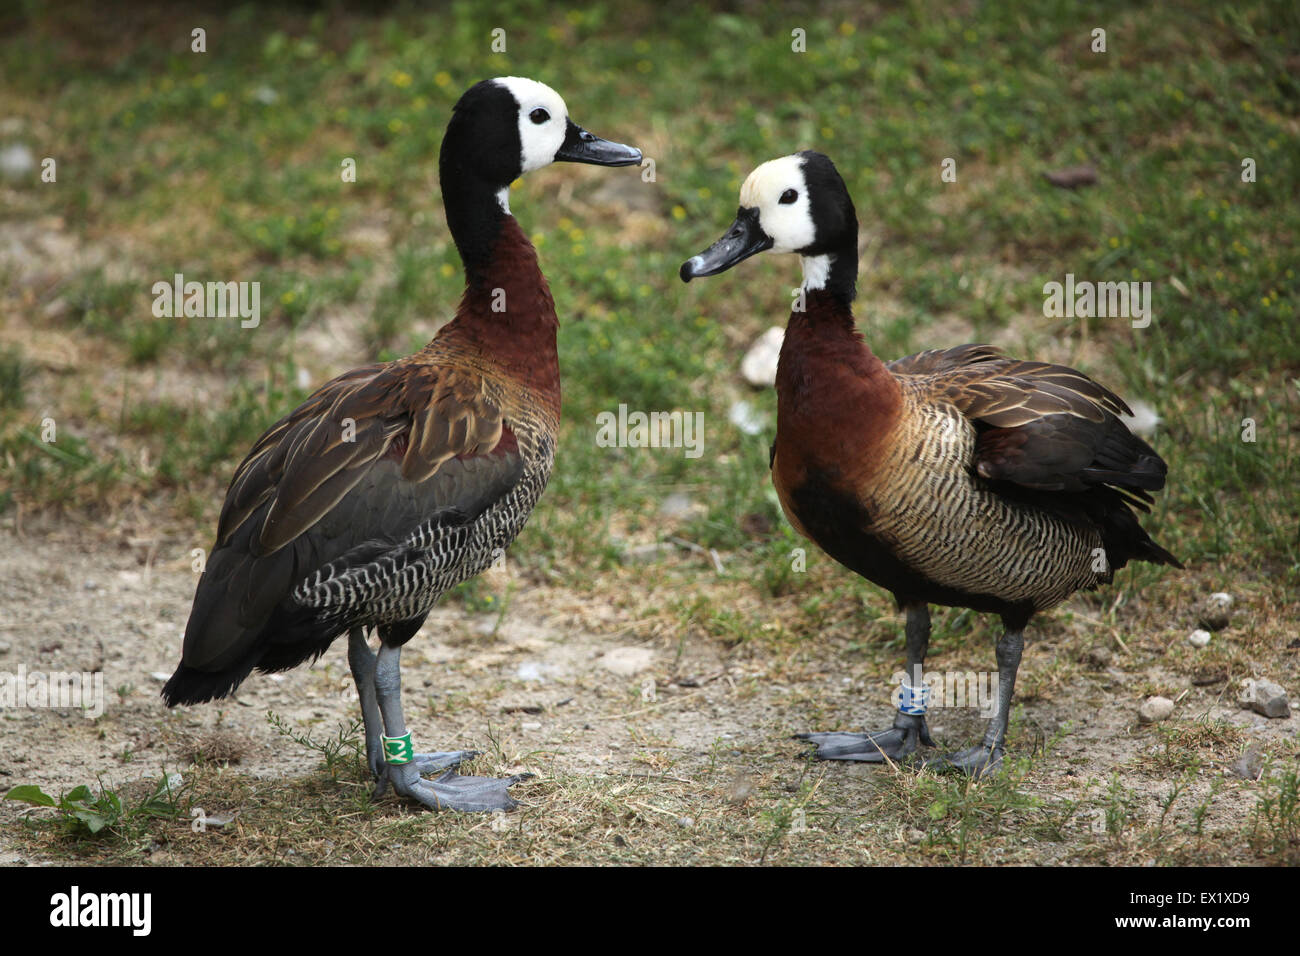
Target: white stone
(1155, 709)
(745, 417)
(628, 661)
(1264, 697)
(758, 367)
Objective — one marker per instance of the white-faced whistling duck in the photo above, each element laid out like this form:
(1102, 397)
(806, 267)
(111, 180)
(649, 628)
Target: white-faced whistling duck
(955, 476)
(394, 482)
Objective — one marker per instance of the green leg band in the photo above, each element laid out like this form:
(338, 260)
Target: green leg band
(398, 749)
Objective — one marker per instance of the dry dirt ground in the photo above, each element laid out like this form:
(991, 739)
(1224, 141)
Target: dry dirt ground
(708, 771)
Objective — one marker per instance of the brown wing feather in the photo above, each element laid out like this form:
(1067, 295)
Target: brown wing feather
(987, 386)
(1041, 426)
(457, 418)
(308, 461)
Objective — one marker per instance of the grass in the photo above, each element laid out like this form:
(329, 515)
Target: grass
(226, 166)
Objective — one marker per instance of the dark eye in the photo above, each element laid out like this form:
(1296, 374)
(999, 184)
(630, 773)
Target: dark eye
(788, 197)
(539, 116)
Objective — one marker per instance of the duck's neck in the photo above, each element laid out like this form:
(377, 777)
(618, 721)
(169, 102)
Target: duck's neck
(833, 273)
(507, 310)
(823, 349)
(476, 214)
(507, 313)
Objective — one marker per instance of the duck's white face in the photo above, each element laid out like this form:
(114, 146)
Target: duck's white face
(543, 120)
(779, 192)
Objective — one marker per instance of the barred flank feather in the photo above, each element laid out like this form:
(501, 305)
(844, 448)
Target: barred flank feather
(958, 476)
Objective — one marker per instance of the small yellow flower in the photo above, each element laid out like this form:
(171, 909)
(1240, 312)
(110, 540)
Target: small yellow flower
(447, 269)
(219, 101)
(288, 297)
(442, 78)
(847, 29)
(1114, 242)
(679, 213)
(395, 125)
(400, 78)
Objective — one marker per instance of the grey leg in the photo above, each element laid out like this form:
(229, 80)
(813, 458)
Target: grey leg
(362, 660)
(908, 730)
(449, 791)
(987, 757)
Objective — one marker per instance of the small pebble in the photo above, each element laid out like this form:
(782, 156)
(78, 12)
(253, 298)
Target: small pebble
(16, 161)
(1198, 638)
(1248, 765)
(676, 505)
(1072, 177)
(1215, 611)
(1264, 697)
(1100, 657)
(740, 789)
(645, 553)
(759, 364)
(746, 417)
(531, 725)
(628, 661)
(1155, 709)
